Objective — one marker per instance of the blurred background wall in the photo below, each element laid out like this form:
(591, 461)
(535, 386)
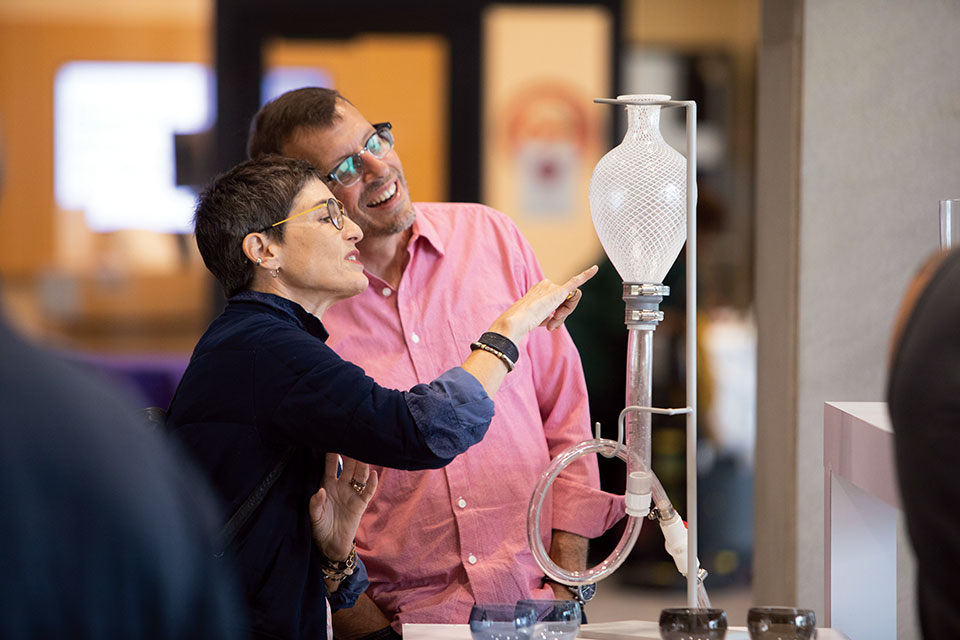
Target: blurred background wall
(89, 286)
(858, 135)
(831, 139)
(130, 290)
(108, 112)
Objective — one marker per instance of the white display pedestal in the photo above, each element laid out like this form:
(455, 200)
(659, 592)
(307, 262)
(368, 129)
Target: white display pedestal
(869, 583)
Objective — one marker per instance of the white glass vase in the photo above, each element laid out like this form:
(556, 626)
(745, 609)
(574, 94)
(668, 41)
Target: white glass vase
(638, 197)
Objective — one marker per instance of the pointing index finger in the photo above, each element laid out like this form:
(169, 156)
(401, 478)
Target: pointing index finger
(580, 278)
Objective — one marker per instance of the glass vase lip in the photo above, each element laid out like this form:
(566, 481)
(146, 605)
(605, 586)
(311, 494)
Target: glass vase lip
(688, 611)
(644, 97)
(778, 609)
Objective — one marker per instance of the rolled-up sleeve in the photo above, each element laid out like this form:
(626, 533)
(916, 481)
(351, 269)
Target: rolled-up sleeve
(350, 589)
(452, 412)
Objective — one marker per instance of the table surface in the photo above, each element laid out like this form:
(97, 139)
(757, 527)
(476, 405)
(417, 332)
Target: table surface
(621, 630)
(858, 446)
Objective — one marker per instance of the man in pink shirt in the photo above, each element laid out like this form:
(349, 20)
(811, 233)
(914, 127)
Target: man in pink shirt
(434, 542)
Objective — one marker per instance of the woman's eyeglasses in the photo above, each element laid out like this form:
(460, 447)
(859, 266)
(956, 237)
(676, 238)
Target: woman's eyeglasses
(334, 214)
(379, 144)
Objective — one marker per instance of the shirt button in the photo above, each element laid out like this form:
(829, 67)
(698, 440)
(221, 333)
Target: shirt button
(472, 559)
(461, 503)
(415, 338)
(386, 291)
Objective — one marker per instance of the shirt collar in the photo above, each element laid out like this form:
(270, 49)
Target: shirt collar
(423, 228)
(306, 320)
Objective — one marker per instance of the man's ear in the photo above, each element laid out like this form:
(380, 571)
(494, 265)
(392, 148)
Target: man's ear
(260, 250)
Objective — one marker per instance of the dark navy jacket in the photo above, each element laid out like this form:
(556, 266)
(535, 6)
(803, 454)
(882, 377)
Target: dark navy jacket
(262, 380)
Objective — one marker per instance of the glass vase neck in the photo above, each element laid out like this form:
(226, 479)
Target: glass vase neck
(643, 122)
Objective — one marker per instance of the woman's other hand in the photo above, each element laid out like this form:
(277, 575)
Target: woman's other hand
(336, 508)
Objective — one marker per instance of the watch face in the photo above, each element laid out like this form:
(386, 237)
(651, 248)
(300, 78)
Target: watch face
(587, 591)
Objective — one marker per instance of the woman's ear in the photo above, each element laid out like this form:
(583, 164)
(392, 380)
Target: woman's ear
(259, 250)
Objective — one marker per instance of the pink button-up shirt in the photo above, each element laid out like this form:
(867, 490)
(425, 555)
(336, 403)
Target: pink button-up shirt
(434, 542)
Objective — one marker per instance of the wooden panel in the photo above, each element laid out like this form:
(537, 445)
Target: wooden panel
(543, 133)
(30, 55)
(411, 95)
(165, 309)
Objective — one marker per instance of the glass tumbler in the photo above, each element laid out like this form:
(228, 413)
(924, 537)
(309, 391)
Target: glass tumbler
(781, 623)
(498, 621)
(555, 619)
(686, 623)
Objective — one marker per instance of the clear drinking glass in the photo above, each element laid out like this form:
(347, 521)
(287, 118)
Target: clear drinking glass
(949, 224)
(555, 619)
(781, 623)
(686, 623)
(498, 621)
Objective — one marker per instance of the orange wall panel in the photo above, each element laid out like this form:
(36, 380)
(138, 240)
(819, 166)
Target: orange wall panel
(30, 55)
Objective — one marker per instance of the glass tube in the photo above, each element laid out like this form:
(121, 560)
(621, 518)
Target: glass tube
(949, 224)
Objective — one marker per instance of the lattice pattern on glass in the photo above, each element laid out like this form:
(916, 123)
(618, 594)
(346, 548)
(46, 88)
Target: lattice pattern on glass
(638, 198)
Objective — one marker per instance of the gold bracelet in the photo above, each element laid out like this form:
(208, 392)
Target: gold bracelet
(338, 571)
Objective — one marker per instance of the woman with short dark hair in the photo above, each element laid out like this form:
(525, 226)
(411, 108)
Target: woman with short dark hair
(262, 386)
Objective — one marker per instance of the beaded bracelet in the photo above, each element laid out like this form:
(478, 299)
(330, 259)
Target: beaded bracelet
(500, 346)
(338, 571)
(506, 361)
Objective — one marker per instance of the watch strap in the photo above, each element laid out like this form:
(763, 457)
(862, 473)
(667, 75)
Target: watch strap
(578, 591)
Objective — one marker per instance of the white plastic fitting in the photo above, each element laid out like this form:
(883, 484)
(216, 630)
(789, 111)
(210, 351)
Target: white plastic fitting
(639, 493)
(675, 541)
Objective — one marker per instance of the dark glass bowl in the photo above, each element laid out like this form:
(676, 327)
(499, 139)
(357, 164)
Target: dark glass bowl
(781, 623)
(685, 623)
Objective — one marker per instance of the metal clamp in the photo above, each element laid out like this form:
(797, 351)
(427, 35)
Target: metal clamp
(642, 300)
(643, 316)
(645, 289)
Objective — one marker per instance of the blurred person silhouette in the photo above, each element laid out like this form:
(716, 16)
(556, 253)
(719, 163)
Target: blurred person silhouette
(436, 541)
(262, 386)
(923, 396)
(105, 530)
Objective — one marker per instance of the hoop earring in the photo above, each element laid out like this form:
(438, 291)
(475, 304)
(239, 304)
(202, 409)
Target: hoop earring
(276, 272)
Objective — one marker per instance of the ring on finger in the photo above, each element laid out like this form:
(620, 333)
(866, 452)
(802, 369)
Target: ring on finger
(358, 486)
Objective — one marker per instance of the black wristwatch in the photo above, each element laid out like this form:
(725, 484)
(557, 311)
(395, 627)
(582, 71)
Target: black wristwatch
(584, 593)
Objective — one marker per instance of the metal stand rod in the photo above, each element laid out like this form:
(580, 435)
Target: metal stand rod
(691, 352)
